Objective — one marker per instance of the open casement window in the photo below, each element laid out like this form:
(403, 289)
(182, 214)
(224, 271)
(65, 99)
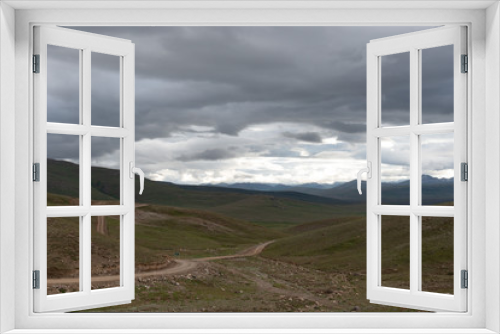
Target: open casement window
(404, 128)
(66, 228)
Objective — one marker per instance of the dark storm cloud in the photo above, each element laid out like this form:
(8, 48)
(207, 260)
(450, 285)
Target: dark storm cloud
(63, 85)
(348, 127)
(310, 137)
(437, 84)
(395, 89)
(105, 90)
(63, 147)
(105, 146)
(230, 78)
(212, 154)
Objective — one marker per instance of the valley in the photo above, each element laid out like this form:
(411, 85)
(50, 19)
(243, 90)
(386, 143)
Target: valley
(214, 249)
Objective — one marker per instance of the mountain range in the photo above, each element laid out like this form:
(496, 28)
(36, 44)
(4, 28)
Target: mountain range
(63, 180)
(275, 186)
(434, 190)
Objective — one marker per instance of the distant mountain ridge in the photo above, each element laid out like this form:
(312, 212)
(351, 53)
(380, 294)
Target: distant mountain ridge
(273, 186)
(63, 180)
(434, 190)
(286, 207)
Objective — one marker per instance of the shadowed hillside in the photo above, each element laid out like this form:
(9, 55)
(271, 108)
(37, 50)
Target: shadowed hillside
(339, 245)
(434, 191)
(63, 176)
(274, 208)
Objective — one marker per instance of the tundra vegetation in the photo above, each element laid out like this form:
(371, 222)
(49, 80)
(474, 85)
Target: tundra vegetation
(222, 249)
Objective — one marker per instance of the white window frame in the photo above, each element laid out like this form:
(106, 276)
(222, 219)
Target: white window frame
(414, 44)
(482, 19)
(85, 44)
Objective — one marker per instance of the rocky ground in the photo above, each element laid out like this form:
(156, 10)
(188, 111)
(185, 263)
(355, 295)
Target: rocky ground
(251, 284)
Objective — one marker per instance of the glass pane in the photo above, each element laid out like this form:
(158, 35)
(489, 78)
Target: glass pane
(437, 254)
(105, 90)
(105, 171)
(63, 170)
(395, 89)
(63, 255)
(437, 84)
(395, 251)
(395, 170)
(105, 252)
(437, 169)
(63, 85)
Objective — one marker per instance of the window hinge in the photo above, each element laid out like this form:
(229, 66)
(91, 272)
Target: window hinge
(36, 172)
(464, 171)
(36, 279)
(465, 279)
(36, 63)
(465, 64)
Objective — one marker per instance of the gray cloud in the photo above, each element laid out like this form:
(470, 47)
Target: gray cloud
(105, 90)
(348, 127)
(437, 84)
(212, 154)
(104, 149)
(226, 80)
(63, 147)
(310, 137)
(63, 85)
(395, 89)
(232, 77)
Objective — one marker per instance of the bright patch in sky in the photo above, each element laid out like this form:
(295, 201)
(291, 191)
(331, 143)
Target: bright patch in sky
(260, 153)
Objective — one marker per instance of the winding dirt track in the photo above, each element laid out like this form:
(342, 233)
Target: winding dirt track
(179, 267)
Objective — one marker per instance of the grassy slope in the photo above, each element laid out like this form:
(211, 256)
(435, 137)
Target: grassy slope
(258, 207)
(160, 231)
(62, 247)
(339, 245)
(62, 179)
(329, 245)
(279, 212)
(333, 245)
(195, 233)
(323, 258)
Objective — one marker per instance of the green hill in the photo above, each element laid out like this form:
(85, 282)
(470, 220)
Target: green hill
(194, 233)
(339, 245)
(318, 246)
(160, 231)
(270, 208)
(330, 245)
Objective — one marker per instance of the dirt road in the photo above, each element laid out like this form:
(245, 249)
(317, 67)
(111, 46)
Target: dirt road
(251, 251)
(179, 266)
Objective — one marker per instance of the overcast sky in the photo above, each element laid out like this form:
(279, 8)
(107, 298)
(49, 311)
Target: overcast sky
(253, 104)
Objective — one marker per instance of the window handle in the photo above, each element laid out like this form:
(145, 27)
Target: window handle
(368, 171)
(138, 171)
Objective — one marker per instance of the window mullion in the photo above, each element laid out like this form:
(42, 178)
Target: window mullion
(85, 272)
(85, 165)
(415, 268)
(82, 249)
(86, 121)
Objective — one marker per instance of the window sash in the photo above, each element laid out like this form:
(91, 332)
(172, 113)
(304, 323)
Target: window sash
(414, 298)
(86, 43)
